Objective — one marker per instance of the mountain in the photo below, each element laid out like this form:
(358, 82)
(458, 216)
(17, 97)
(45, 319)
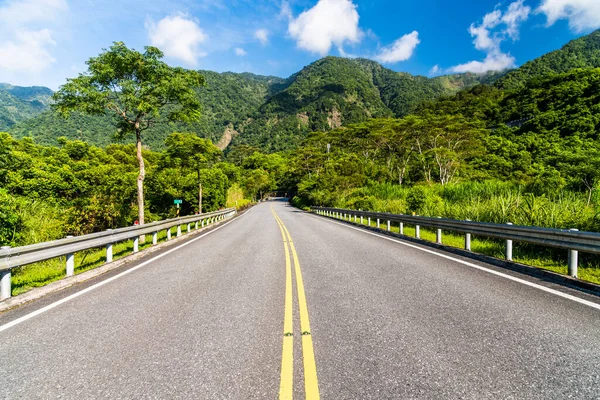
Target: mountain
(21, 103)
(583, 52)
(265, 111)
(335, 91)
(228, 101)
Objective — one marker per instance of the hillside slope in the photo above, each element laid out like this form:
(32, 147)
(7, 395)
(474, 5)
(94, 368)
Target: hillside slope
(21, 103)
(583, 52)
(334, 92)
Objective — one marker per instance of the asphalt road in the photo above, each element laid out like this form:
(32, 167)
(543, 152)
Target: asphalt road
(388, 321)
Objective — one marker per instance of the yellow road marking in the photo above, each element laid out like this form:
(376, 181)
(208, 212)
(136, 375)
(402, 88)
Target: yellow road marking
(311, 383)
(286, 385)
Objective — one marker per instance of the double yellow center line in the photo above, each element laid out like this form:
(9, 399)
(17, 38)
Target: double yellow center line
(311, 384)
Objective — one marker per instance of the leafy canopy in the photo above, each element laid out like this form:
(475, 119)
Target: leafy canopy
(135, 86)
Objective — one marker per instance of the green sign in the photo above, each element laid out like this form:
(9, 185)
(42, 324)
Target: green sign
(177, 201)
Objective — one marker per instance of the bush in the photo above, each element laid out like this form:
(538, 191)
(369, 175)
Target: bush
(416, 199)
(10, 221)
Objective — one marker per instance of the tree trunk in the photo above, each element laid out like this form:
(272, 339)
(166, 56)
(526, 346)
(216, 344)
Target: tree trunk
(200, 198)
(140, 179)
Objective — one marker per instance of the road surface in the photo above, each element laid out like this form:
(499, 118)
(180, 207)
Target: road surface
(387, 321)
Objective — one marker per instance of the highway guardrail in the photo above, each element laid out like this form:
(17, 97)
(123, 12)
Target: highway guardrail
(572, 240)
(13, 257)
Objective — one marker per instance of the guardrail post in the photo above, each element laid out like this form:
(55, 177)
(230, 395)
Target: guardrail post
(573, 259)
(5, 284)
(361, 219)
(389, 225)
(468, 240)
(355, 217)
(417, 231)
(202, 223)
(378, 224)
(196, 227)
(189, 228)
(109, 251)
(401, 228)
(169, 234)
(369, 221)
(136, 244)
(509, 247)
(70, 262)
(154, 238)
(178, 230)
(438, 236)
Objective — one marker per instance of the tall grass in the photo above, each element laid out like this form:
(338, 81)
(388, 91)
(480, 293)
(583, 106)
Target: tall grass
(491, 201)
(235, 197)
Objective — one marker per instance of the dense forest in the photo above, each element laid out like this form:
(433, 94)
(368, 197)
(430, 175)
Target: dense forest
(47, 192)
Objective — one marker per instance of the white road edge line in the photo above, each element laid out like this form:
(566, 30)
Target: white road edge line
(104, 282)
(490, 271)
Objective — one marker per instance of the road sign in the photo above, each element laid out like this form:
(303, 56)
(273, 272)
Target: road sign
(177, 201)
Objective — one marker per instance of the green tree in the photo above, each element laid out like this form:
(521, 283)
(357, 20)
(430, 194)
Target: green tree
(137, 88)
(189, 151)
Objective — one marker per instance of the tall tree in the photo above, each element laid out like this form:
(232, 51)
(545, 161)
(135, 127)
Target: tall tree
(139, 89)
(189, 151)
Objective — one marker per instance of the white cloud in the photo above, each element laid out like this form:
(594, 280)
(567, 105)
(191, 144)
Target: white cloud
(178, 36)
(28, 52)
(25, 35)
(240, 52)
(286, 11)
(582, 14)
(435, 70)
(262, 35)
(15, 12)
(328, 23)
(492, 62)
(495, 28)
(513, 17)
(401, 50)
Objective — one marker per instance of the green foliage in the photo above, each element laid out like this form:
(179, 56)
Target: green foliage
(136, 87)
(21, 103)
(10, 221)
(583, 52)
(47, 193)
(416, 199)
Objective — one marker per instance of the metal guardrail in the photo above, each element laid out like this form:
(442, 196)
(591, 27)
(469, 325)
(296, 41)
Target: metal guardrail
(12, 257)
(570, 239)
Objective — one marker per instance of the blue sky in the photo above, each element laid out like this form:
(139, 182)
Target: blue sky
(43, 42)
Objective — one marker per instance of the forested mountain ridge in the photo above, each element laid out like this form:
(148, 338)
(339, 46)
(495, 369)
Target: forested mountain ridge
(270, 112)
(583, 52)
(334, 92)
(21, 103)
